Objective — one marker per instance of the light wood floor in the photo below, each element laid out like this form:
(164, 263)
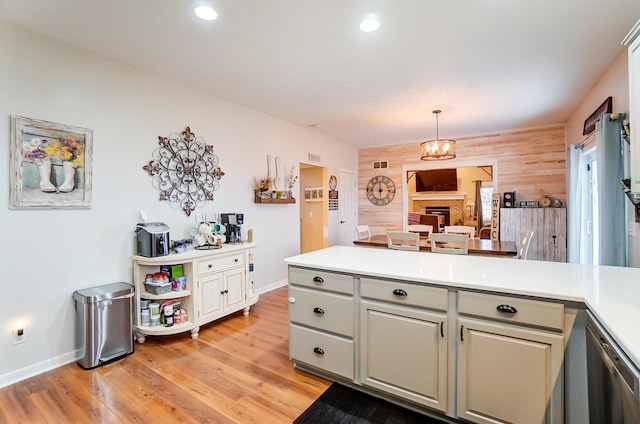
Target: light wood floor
(237, 371)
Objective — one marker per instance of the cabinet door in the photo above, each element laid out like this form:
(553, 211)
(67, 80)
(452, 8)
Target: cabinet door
(210, 296)
(403, 351)
(508, 374)
(234, 287)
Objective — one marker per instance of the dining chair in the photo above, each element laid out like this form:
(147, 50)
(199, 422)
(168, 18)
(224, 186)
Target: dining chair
(422, 229)
(460, 229)
(523, 249)
(457, 244)
(363, 231)
(403, 241)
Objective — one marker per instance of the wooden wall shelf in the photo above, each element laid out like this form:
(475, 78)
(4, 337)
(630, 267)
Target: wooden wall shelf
(258, 199)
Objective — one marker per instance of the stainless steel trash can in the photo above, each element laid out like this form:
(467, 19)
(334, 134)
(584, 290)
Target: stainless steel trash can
(104, 323)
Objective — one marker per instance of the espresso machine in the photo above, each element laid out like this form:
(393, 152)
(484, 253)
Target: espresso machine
(233, 222)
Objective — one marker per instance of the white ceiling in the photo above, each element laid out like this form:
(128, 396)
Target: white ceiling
(490, 65)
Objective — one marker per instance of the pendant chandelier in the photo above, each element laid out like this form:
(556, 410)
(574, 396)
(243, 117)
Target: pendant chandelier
(437, 149)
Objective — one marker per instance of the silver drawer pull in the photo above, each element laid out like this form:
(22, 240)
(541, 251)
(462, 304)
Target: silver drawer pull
(236, 260)
(318, 350)
(318, 279)
(507, 309)
(210, 265)
(319, 311)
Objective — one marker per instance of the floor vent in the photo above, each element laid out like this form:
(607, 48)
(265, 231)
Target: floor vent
(380, 164)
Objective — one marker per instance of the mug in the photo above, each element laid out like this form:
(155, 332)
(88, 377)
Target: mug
(213, 239)
(200, 240)
(219, 228)
(205, 229)
(194, 231)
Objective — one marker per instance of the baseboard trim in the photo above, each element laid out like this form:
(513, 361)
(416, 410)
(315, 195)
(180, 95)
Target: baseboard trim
(69, 357)
(272, 286)
(39, 368)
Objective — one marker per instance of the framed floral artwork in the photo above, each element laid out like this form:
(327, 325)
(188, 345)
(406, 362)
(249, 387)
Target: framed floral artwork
(50, 164)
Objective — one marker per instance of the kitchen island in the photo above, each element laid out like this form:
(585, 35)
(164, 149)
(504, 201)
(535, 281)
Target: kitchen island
(443, 298)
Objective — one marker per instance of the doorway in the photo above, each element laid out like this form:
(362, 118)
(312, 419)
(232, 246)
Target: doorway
(347, 212)
(314, 214)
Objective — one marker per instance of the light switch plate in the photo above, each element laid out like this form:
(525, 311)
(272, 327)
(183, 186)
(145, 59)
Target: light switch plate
(632, 229)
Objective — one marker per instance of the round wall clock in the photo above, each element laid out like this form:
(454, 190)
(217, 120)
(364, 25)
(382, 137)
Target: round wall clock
(381, 190)
(545, 202)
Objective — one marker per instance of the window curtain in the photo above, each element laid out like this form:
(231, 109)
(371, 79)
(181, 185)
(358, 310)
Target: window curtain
(611, 207)
(577, 237)
(478, 211)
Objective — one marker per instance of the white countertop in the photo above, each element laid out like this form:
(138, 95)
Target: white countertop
(612, 294)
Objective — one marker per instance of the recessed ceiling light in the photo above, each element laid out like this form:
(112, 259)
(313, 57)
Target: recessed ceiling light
(369, 25)
(206, 13)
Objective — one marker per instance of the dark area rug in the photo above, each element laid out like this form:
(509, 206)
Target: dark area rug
(340, 404)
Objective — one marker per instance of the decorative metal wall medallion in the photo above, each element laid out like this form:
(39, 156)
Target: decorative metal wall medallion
(185, 170)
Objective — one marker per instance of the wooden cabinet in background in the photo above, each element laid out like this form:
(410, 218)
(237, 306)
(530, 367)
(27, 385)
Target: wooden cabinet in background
(549, 241)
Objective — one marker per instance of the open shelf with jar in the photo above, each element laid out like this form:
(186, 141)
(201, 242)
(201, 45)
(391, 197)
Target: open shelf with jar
(216, 283)
(260, 197)
(148, 267)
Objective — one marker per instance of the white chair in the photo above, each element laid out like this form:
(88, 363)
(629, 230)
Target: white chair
(363, 231)
(423, 229)
(456, 244)
(403, 241)
(523, 249)
(460, 229)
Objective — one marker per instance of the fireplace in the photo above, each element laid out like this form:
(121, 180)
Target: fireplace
(441, 210)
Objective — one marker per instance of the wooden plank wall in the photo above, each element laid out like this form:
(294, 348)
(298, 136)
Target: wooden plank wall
(530, 162)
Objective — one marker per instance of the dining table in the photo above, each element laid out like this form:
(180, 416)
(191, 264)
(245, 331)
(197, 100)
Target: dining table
(476, 246)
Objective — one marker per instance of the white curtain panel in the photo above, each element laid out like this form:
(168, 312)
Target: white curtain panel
(576, 232)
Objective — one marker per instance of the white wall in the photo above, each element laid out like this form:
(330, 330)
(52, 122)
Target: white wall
(48, 254)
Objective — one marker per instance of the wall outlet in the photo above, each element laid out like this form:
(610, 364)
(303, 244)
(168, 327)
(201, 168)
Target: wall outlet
(19, 335)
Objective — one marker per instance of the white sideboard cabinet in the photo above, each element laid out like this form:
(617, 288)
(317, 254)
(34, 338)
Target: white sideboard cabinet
(218, 284)
(632, 41)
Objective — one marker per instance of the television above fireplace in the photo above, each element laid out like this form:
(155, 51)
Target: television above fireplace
(437, 180)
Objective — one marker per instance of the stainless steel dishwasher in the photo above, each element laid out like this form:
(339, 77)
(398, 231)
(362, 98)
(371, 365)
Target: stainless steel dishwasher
(613, 380)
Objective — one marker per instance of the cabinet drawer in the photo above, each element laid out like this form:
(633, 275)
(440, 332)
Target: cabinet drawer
(530, 312)
(404, 293)
(322, 280)
(322, 310)
(324, 351)
(218, 263)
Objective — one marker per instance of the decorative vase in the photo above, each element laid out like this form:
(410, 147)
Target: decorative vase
(44, 169)
(69, 173)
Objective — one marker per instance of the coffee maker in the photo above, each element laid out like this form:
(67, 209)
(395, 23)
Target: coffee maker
(233, 222)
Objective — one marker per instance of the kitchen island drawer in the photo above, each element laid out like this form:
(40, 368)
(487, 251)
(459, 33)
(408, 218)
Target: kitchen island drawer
(322, 310)
(512, 309)
(219, 263)
(322, 280)
(324, 351)
(404, 293)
